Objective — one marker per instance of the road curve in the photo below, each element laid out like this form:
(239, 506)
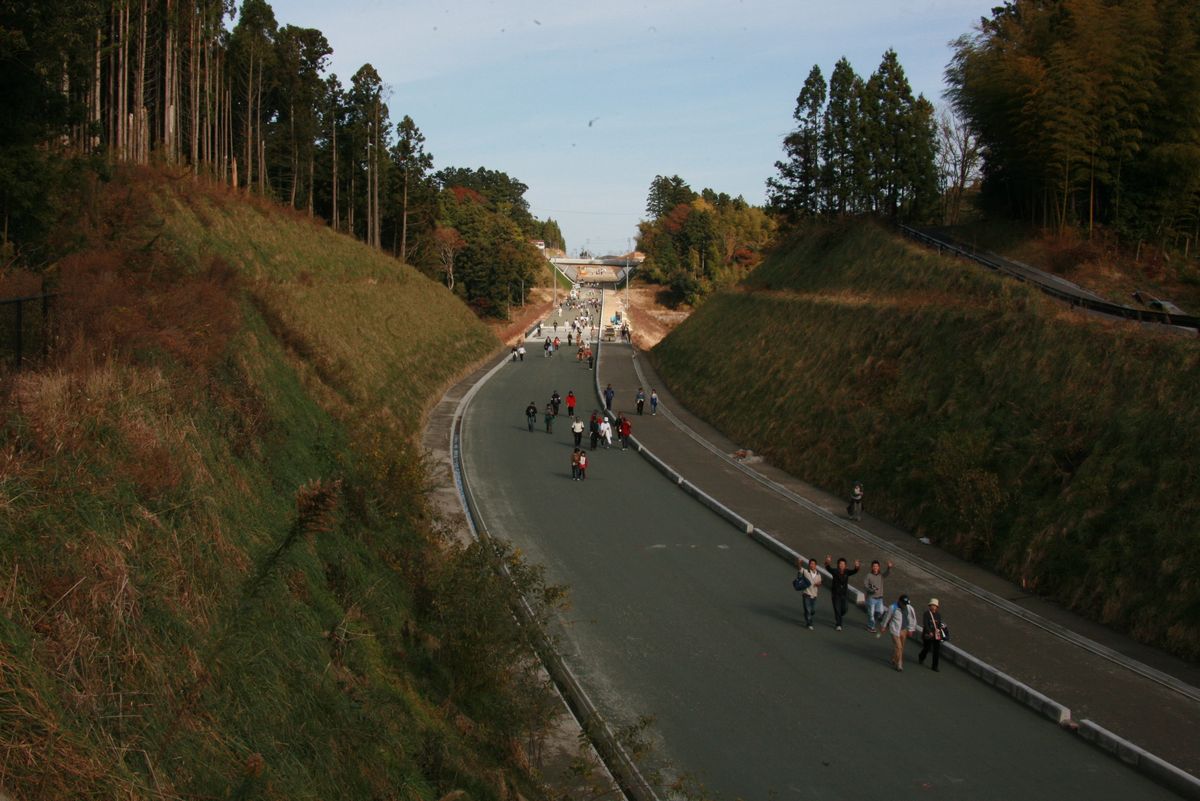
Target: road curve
(675, 614)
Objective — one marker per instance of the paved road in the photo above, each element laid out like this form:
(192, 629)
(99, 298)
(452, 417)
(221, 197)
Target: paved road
(676, 615)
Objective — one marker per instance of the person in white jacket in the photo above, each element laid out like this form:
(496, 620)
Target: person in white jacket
(900, 621)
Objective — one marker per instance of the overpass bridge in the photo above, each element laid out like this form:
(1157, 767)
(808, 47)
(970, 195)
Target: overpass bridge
(609, 270)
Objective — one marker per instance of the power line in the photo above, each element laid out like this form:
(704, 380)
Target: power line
(595, 213)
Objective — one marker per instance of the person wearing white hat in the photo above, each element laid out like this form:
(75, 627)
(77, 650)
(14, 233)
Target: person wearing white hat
(933, 633)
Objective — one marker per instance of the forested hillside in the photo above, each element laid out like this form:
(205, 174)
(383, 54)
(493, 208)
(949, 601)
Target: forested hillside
(698, 241)
(220, 576)
(1046, 445)
(246, 101)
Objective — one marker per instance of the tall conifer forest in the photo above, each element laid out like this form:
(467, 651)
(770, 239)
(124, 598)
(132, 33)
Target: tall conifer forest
(234, 95)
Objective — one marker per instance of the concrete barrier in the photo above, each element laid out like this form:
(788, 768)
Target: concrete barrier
(1143, 761)
(1038, 702)
(712, 503)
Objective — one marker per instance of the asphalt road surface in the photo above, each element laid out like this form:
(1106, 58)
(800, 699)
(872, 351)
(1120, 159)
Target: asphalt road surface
(677, 615)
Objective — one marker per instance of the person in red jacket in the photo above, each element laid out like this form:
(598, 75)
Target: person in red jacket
(570, 403)
(626, 428)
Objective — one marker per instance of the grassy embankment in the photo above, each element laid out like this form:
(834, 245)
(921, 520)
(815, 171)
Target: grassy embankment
(218, 577)
(1055, 448)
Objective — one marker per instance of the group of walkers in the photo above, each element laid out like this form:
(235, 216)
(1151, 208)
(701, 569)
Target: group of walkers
(898, 620)
(639, 399)
(600, 429)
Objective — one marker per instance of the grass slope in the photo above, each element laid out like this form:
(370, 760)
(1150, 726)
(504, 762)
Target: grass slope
(217, 575)
(1056, 449)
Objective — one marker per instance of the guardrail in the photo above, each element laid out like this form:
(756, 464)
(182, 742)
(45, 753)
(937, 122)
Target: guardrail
(1014, 270)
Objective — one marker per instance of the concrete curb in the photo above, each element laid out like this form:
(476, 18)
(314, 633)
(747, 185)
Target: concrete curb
(1039, 702)
(1139, 759)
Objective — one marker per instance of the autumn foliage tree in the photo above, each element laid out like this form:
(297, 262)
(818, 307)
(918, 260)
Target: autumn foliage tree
(697, 242)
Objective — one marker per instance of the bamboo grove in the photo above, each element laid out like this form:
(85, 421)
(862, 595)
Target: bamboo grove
(1088, 112)
(232, 95)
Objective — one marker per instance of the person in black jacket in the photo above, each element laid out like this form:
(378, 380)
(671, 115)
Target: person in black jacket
(839, 586)
(933, 633)
(531, 414)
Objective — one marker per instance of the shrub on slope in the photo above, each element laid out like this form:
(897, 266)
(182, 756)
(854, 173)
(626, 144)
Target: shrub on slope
(1052, 447)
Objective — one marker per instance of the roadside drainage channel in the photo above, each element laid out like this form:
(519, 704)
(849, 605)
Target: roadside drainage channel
(1151, 766)
(620, 766)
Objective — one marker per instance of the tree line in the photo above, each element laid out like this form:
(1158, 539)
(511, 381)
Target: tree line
(1088, 112)
(92, 83)
(859, 147)
(697, 242)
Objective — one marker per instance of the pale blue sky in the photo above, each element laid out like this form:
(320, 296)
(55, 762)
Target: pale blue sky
(704, 90)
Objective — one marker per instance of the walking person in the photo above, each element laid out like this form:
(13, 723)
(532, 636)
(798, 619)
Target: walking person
(808, 595)
(594, 429)
(577, 431)
(641, 400)
(555, 401)
(933, 633)
(900, 622)
(606, 432)
(531, 415)
(653, 402)
(873, 588)
(856, 501)
(625, 428)
(583, 463)
(570, 403)
(549, 419)
(521, 352)
(575, 465)
(609, 394)
(839, 587)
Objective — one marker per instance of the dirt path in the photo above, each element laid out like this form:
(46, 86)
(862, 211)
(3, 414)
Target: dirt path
(652, 318)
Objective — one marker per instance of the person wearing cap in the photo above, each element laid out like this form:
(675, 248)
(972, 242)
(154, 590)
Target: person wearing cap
(933, 632)
(900, 622)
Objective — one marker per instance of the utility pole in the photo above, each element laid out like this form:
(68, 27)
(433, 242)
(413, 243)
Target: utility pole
(628, 253)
